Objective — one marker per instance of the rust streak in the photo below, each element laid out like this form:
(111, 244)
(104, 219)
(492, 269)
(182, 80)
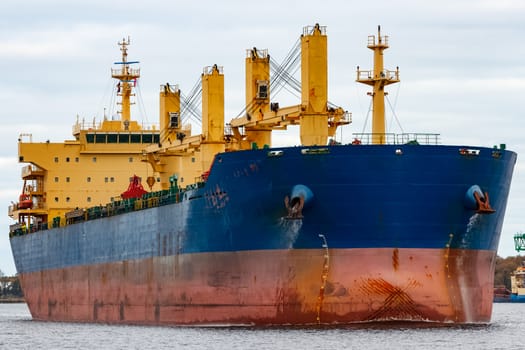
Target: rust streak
(397, 302)
(395, 259)
(324, 276)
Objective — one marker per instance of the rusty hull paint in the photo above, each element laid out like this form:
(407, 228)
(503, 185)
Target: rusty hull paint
(271, 287)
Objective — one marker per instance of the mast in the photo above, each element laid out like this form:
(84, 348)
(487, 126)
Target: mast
(317, 118)
(127, 77)
(212, 80)
(314, 86)
(258, 95)
(378, 79)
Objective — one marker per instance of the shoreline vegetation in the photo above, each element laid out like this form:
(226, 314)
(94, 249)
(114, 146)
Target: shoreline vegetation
(11, 300)
(10, 290)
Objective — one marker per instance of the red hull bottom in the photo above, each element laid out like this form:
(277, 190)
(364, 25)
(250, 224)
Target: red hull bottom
(286, 287)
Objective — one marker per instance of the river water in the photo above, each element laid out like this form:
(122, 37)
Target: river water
(18, 331)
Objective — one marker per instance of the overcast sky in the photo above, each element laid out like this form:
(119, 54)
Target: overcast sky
(461, 62)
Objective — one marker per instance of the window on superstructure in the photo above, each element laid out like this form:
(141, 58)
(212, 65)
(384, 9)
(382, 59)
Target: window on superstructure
(174, 119)
(193, 159)
(112, 179)
(56, 159)
(67, 199)
(123, 138)
(67, 159)
(67, 179)
(76, 159)
(100, 138)
(56, 199)
(88, 179)
(106, 179)
(56, 178)
(94, 159)
(89, 199)
(135, 138)
(112, 138)
(130, 159)
(147, 138)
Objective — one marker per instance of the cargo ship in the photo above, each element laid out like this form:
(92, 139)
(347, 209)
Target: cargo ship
(234, 231)
(517, 281)
(517, 284)
(516, 294)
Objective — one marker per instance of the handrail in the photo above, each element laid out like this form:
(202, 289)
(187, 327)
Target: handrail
(97, 125)
(30, 169)
(382, 39)
(397, 139)
(131, 72)
(385, 74)
(148, 200)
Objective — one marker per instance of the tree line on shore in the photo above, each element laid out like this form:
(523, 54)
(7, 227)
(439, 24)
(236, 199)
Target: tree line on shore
(504, 267)
(10, 289)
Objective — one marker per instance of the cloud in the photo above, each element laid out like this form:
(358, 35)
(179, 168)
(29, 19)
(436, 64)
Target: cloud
(505, 6)
(470, 86)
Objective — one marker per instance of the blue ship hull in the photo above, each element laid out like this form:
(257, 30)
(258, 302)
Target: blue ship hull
(513, 298)
(395, 208)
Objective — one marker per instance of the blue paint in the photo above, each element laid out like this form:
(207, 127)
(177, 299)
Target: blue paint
(514, 298)
(361, 197)
(470, 200)
(302, 191)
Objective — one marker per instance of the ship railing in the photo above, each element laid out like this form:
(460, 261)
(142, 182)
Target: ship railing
(169, 88)
(11, 209)
(346, 117)
(396, 139)
(96, 125)
(384, 74)
(208, 70)
(116, 207)
(16, 229)
(25, 138)
(383, 39)
(31, 169)
(257, 52)
(20, 229)
(309, 30)
(131, 72)
(14, 208)
(420, 138)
